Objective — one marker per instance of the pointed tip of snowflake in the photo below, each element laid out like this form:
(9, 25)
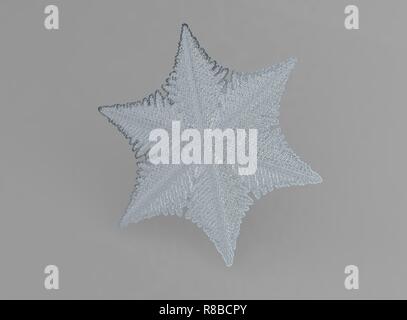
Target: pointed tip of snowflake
(228, 259)
(227, 254)
(124, 222)
(229, 264)
(186, 32)
(315, 178)
(184, 26)
(290, 63)
(100, 109)
(105, 111)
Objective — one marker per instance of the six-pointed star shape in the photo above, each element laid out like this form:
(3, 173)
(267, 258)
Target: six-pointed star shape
(200, 94)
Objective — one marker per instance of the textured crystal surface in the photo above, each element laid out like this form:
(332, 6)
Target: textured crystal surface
(202, 94)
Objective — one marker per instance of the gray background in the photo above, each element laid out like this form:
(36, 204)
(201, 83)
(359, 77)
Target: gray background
(66, 174)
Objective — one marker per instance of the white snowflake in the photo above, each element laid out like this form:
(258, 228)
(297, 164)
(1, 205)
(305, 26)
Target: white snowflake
(202, 94)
